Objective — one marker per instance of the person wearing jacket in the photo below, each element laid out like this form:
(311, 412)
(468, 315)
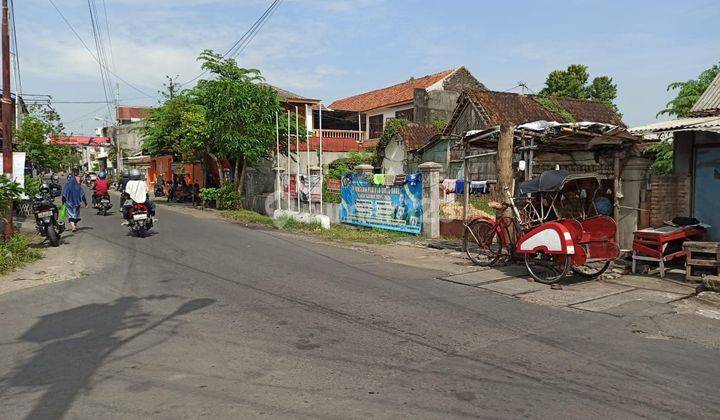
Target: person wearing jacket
(73, 196)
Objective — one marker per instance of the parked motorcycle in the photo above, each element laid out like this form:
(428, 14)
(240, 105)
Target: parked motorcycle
(102, 204)
(159, 191)
(139, 220)
(46, 216)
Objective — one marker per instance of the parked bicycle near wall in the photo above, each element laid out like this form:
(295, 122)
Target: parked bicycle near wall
(550, 241)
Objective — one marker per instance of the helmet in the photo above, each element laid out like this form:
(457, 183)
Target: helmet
(135, 174)
(125, 173)
(44, 188)
(102, 175)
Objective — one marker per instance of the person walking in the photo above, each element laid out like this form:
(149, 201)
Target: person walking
(73, 196)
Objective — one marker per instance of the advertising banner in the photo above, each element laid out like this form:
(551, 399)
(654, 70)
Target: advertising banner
(371, 204)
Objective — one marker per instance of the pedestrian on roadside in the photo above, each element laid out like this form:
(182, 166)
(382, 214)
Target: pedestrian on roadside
(73, 196)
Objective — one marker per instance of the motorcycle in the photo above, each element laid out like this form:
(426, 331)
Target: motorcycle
(46, 218)
(102, 204)
(159, 191)
(138, 219)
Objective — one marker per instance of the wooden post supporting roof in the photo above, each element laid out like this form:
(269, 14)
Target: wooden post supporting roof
(504, 162)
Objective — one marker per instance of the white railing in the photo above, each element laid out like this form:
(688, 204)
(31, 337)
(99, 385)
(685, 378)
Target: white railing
(341, 134)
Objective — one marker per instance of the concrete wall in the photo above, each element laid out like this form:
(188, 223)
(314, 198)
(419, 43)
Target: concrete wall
(434, 105)
(683, 152)
(128, 136)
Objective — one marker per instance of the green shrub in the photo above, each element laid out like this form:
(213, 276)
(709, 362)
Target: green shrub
(32, 186)
(16, 252)
(228, 197)
(342, 166)
(208, 195)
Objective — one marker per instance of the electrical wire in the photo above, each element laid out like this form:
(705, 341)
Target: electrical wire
(15, 47)
(72, 28)
(241, 44)
(100, 54)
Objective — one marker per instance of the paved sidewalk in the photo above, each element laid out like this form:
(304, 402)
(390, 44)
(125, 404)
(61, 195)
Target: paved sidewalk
(607, 295)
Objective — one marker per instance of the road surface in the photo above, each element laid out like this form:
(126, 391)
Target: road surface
(206, 319)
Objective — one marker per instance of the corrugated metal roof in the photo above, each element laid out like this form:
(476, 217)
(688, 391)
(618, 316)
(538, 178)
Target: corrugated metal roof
(710, 99)
(680, 124)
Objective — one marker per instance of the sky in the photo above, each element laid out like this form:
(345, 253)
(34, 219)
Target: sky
(330, 49)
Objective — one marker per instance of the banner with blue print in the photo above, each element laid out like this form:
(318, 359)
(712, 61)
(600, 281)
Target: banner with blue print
(392, 207)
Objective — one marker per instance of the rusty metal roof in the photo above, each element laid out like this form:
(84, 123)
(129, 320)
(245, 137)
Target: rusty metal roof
(709, 102)
(514, 108)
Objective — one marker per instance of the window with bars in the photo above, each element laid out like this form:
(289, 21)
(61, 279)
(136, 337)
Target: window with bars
(376, 126)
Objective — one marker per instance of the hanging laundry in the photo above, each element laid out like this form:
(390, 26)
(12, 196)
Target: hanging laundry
(378, 179)
(412, 179)
(449, 185)
(389, 180)
(400, 180)
(479, 187)
(459, 186)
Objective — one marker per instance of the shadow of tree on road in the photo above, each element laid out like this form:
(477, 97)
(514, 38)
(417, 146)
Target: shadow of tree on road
(77, 342)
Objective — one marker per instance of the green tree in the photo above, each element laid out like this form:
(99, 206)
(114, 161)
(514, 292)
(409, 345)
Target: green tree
(688, 93)
(239, 112)
(33, 138)
(178, 125)
(573, 83)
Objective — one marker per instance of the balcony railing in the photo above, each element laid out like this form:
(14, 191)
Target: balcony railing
(341, 134)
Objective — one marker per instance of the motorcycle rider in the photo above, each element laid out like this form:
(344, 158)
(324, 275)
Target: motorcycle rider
(101, 186)
(124, 177)
(136, 192)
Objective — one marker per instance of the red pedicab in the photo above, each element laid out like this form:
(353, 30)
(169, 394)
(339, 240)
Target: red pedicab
(550, 238)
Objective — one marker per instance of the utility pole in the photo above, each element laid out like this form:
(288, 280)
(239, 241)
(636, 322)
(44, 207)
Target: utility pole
(6, 112)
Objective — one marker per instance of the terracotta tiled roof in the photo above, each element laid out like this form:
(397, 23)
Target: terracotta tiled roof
(332, 144)
(392, 95)
(132, 112)
(416, 136)
(513, 108)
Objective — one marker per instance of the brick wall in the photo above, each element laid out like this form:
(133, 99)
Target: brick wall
(670, 198)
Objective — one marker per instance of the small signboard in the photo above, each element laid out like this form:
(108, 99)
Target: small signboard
(392, 207)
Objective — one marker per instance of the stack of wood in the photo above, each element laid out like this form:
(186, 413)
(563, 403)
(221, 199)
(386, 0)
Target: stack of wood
(702, 262)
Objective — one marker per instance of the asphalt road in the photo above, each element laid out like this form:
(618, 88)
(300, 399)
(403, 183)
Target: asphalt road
(206, 319)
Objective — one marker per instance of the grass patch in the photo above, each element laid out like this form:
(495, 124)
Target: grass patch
(482, 203)
(16, 252)
(248, 217)
(339, 233)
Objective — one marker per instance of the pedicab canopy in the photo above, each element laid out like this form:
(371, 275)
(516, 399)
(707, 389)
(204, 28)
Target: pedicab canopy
(553, 181)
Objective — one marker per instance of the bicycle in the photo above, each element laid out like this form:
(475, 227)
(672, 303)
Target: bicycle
(488, 243)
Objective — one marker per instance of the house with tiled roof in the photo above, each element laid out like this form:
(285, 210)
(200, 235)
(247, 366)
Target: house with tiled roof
(420, 100)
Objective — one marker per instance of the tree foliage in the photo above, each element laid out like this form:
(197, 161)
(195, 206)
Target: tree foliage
(573, 83)
(689, 92)
(663, 162)
(33, 138)
(227, 116)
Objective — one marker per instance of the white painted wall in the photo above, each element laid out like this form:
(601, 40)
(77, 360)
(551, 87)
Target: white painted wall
(387, 113)
(394, 160)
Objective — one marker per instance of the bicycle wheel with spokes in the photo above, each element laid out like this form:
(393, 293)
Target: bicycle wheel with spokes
(591, 269)
(482, 243)
(545, 268)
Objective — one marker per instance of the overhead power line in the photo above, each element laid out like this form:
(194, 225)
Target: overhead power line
(241, 44)
(72, 28)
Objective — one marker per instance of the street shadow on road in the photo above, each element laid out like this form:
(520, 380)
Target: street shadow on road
(76, 343)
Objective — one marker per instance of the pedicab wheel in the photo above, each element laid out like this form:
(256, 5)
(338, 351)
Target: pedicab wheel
(546, 268)
(591, 269)
(482, 243)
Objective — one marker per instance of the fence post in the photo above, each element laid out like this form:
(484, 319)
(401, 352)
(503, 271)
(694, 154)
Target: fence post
(364, 169)
(431, 198)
